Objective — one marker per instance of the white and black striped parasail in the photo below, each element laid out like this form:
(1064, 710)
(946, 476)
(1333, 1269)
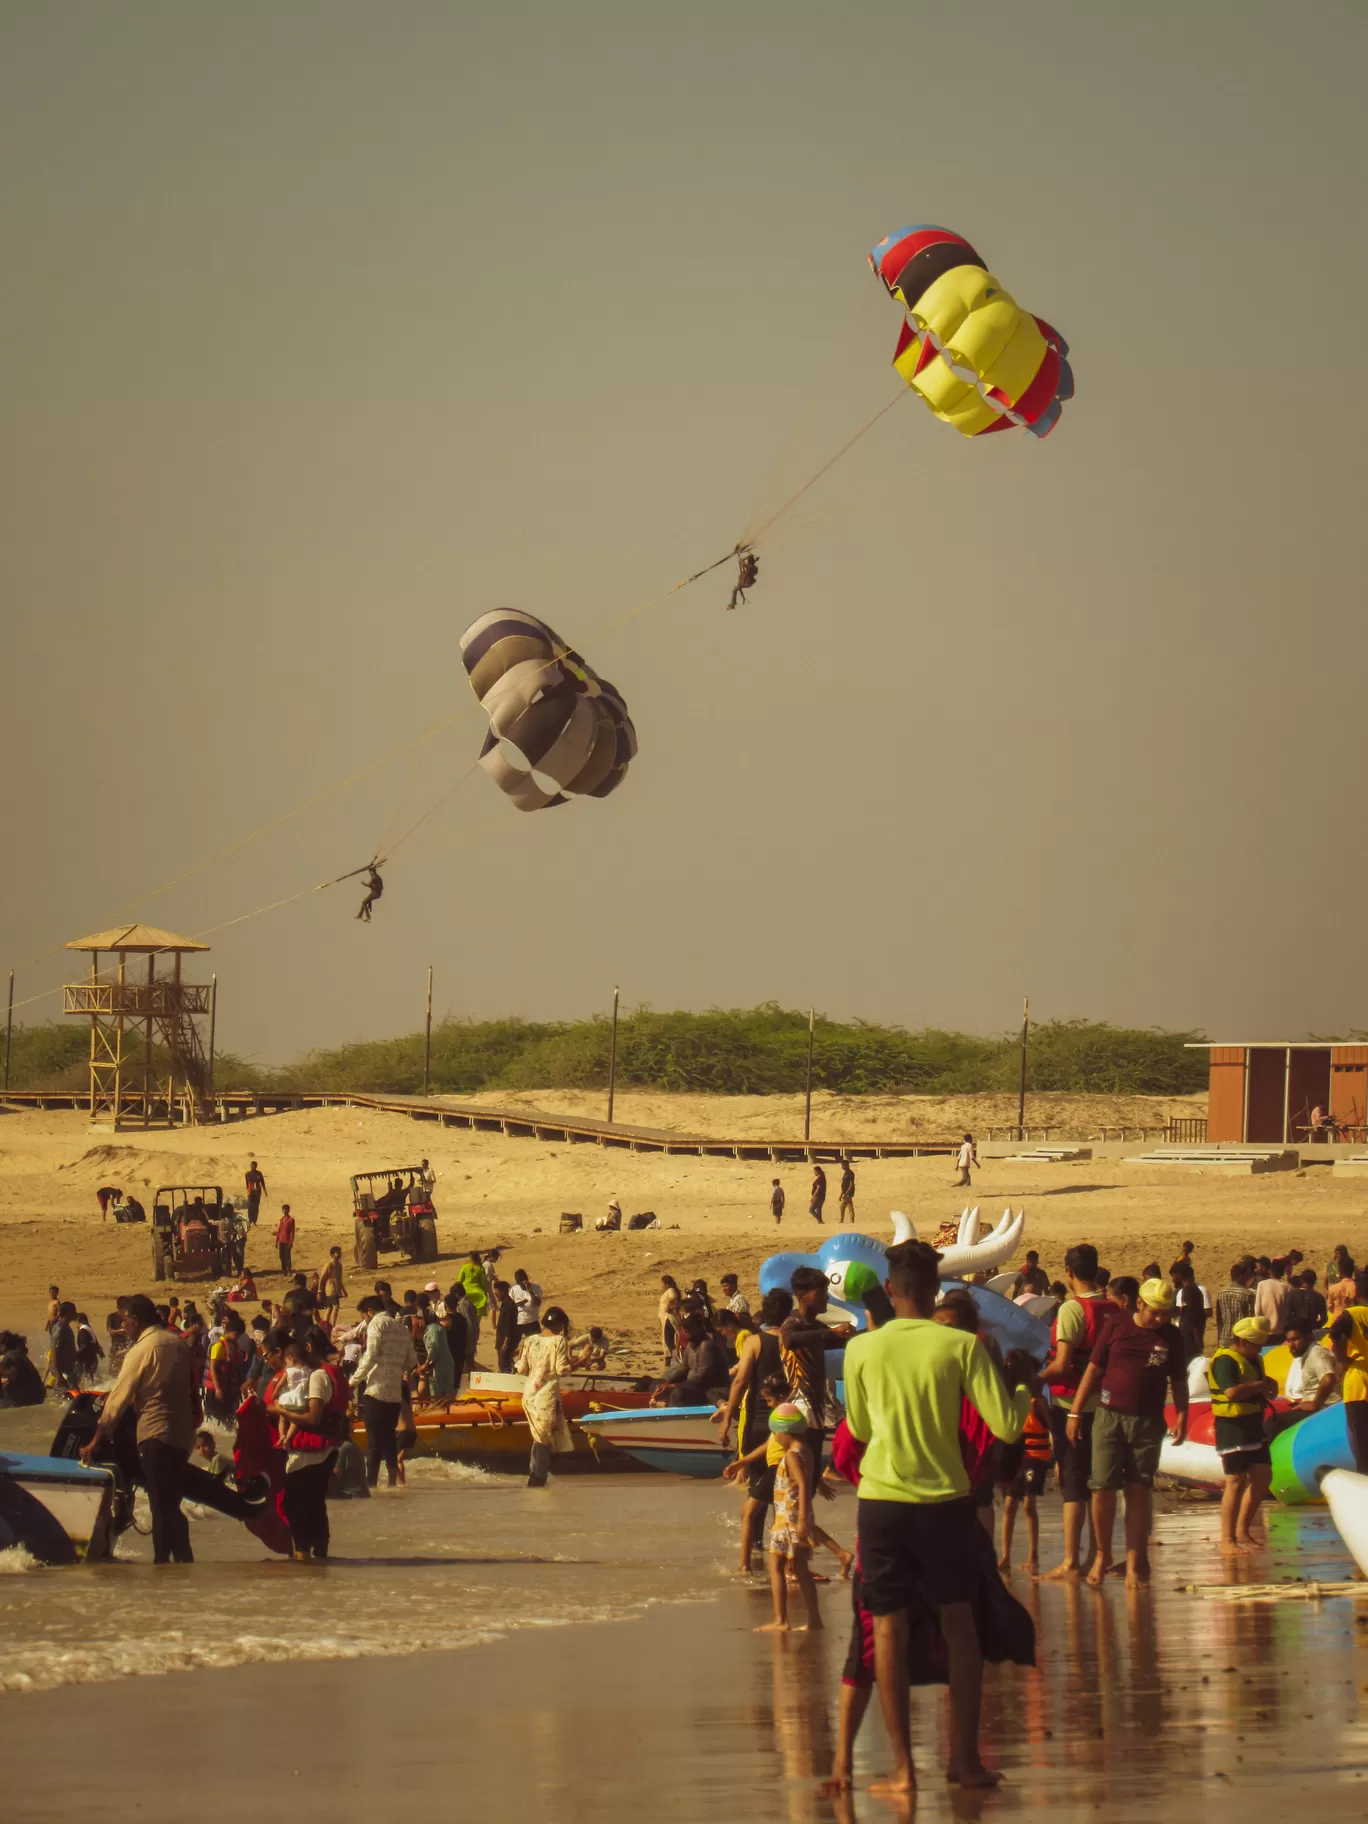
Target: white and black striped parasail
(556, 729)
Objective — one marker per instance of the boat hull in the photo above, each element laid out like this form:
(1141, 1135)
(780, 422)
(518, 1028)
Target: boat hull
(1347, 1493)
(58, 1511)
(680, 1440)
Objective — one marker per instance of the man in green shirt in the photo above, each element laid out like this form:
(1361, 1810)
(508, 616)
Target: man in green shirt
(905, 1384)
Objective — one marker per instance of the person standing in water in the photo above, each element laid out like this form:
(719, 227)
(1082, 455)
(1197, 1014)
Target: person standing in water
(543, 1358)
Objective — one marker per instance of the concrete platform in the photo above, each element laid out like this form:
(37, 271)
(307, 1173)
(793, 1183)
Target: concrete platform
(1230, 1161)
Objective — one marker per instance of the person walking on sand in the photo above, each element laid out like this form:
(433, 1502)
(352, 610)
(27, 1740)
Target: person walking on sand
(285, 1234)
(905, 1384)
(1132, 1361)
(332, 1287)
(846, 1203)
(790, 1540)
(776, 1201)
(817, 1195)
(668, 1314)
(967, 1156)
(256, 1190)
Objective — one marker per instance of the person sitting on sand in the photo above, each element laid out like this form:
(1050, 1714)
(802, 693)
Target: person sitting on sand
(790, 1540)
(245, 1290)
(590, 1350)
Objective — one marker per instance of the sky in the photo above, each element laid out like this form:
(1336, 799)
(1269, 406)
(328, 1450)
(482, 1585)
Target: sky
(328, 327)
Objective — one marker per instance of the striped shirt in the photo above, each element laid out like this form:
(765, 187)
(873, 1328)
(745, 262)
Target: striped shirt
(1232, 1303)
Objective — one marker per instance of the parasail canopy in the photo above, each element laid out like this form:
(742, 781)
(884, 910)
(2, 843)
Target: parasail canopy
(979, 360)
(556, 729)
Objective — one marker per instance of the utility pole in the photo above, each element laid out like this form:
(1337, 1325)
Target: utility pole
(9, 1029)
(807, 1107)
(427, 1037)
(1021, 1092)
(213, 1033)
(612, 1060)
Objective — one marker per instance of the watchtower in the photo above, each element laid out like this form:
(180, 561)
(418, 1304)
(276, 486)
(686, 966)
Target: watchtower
(174, 1062)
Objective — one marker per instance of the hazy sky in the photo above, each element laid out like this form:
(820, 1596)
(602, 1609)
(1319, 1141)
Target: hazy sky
(328, 327)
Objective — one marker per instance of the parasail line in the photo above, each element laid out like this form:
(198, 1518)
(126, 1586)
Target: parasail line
(812, 480)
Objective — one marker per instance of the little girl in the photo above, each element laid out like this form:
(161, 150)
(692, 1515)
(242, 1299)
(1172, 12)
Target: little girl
(790, 1540)
(293, 1391)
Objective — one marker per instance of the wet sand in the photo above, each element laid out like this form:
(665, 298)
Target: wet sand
(1145, 1705)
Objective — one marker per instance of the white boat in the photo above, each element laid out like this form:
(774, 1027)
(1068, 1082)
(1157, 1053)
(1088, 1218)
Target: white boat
(55, 1508)
(1347, 1493)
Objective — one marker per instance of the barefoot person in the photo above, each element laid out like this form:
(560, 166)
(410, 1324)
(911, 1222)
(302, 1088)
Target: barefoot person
(1078, 1323)
(790, 1541)
(1133, 1361)
(904, 1386)
(1239, 1391)
(758, 1359)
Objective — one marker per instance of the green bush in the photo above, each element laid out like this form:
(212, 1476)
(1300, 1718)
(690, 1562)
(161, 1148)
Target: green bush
(726, 1051)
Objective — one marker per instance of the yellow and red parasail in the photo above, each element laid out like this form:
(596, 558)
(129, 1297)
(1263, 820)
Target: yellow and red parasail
(979, 360)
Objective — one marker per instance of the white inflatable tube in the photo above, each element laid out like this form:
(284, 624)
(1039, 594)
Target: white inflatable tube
(1347, 1494)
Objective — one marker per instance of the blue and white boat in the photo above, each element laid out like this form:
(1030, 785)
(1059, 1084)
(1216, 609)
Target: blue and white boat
(682, 1440)
(56, 1509)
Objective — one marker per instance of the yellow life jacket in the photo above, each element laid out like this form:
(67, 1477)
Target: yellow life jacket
(1222, 1406)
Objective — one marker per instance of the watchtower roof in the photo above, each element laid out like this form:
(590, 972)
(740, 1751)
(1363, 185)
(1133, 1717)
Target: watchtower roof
(148, 940)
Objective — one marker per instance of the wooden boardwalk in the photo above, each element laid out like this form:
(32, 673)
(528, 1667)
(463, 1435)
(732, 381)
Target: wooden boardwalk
(526, 1124)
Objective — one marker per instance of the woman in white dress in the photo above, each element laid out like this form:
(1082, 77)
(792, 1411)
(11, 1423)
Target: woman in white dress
(543, 1358)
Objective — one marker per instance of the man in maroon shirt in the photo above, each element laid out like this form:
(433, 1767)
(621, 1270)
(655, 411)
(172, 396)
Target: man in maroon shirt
(1135, 1361)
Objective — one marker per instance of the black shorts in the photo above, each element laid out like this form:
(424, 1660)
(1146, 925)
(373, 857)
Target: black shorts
(1032, 1480)
(1074, 1460)
(1237, 1462)
(1010, 1461)
(911, 1548)
(760, 1482)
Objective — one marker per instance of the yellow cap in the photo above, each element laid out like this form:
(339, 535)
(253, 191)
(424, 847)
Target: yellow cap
(1158, 1294)
(1253, 1329)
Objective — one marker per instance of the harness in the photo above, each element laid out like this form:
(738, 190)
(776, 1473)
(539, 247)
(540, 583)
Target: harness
(1222, 1406)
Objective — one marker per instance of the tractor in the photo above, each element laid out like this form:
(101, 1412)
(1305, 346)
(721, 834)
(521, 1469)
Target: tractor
(393, 1210)
(196, 1233)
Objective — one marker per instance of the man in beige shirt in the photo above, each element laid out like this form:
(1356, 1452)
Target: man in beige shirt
(157, 1381)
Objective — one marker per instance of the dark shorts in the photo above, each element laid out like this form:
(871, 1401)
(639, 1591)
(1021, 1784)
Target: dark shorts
(910, 1548)
(760, 1482)
(1074, 1460)
(1010, 1460)
(1125, 1448)
(1032, 1480)
(1250, 1456)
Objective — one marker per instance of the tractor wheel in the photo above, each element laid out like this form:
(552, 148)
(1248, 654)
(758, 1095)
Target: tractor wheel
(426, 1227)
(158, 1256)
(367, 1255)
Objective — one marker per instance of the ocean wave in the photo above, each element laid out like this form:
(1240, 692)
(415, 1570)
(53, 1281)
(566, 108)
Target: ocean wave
(447, 1469)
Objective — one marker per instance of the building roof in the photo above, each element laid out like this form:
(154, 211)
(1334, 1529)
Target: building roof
(1269, 1044)
(145, 938)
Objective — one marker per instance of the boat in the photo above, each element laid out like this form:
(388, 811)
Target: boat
(1347, 1493)
(486, 1428)
(682, 1440)
(57, 1510)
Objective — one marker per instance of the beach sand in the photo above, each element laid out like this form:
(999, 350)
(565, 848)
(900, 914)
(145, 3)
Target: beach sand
(714, 1213)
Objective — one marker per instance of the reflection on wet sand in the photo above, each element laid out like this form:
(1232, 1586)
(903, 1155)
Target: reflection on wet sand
(689, 1714)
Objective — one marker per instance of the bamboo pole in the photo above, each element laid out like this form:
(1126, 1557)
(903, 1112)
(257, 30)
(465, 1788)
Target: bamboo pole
(427, 1038)
(807, 1107)
(213, 1027)
(9, 1029)
(612, 1060)
(147, 1040)
(1021, 1092)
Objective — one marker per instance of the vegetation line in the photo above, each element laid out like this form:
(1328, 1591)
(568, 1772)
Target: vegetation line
(756, 1051)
